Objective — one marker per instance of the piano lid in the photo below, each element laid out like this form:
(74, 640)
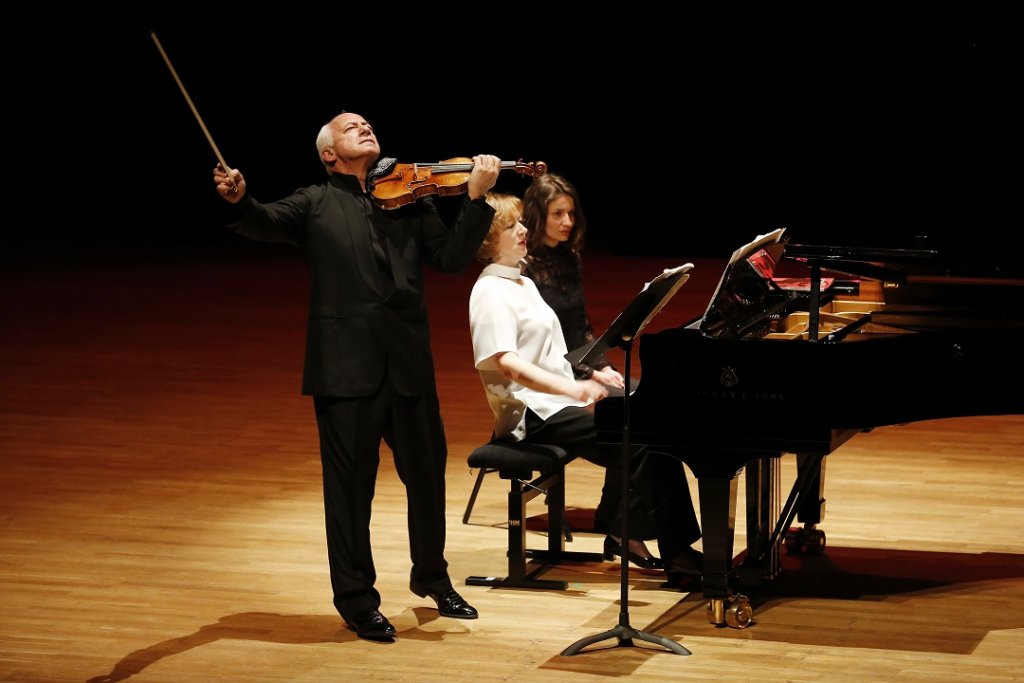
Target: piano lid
(753, 288)
(920, 276)
(878, 263)
(902, 266)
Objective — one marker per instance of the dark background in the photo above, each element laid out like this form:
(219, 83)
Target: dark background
(688, 128)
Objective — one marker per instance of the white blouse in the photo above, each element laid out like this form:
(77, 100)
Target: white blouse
(507, 313)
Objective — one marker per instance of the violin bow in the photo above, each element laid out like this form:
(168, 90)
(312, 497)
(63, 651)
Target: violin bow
(209, 138)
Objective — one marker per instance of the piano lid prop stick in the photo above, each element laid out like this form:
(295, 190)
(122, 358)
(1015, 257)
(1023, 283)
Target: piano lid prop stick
(195, 112)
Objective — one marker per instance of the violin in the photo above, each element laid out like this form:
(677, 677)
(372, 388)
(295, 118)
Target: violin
(405, 183)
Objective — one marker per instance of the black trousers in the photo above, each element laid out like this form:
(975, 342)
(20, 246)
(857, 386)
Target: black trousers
(350, 431)
(660, 503)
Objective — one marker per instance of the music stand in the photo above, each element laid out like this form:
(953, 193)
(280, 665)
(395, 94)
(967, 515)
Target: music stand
(620, 334)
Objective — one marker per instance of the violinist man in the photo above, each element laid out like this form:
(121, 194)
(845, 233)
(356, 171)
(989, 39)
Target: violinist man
(368, 362)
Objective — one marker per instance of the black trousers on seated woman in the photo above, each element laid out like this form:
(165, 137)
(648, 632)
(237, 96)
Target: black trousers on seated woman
(660, 504)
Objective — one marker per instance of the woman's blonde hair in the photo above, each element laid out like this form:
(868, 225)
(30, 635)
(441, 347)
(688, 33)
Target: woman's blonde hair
(508, 209)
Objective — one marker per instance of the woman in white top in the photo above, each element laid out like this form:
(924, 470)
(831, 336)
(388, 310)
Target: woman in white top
(519, 351)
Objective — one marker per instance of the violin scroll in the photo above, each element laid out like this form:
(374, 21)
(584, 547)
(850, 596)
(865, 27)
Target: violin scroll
(532, 168)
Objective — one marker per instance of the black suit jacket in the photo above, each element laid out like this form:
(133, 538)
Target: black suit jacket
(359, 324)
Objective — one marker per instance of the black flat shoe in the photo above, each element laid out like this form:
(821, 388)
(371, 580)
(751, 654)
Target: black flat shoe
(372, 625)
(613, 549)
(450, 604)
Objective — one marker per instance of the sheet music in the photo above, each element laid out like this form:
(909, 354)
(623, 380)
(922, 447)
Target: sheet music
(648, 302)
(683, 271)
(743, 252)
(758, 242)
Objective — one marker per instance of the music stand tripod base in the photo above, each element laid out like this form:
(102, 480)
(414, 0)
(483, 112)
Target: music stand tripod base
(625, 636)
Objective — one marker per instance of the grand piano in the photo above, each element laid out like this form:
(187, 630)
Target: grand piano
(801, 348)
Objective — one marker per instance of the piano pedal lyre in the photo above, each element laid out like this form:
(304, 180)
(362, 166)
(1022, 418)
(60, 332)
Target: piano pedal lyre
(734, 611)
(804, 541)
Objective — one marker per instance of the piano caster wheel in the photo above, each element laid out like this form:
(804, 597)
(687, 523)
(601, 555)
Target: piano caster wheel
(740, 614)
(734, 611)
(804, 541)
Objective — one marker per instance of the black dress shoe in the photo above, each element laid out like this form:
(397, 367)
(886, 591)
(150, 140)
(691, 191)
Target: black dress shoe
(450, 604)
(613, 549)
(371, 624)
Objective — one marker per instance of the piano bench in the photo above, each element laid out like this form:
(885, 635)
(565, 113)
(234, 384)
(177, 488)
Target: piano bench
(517, 462)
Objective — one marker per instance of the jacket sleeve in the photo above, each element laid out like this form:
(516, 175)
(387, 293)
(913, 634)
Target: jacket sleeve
(280, 221)
(450, 250)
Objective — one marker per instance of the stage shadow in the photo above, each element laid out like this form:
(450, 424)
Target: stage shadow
(845, 598)
(258, 626)
(874, 598)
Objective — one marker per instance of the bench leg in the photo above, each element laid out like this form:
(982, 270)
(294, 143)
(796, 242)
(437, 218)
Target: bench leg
(520, 575)
(558, 529)
(476, 489)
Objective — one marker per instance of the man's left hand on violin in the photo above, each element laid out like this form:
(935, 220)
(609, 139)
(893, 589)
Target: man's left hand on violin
(484, 175)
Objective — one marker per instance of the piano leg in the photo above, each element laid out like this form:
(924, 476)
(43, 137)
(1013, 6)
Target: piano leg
(718, 526)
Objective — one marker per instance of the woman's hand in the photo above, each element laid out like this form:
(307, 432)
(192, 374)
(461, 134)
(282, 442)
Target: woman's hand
(590, 391)
(610, 377)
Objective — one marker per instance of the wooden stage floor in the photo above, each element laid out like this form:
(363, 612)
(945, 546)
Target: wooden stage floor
(162, 513)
